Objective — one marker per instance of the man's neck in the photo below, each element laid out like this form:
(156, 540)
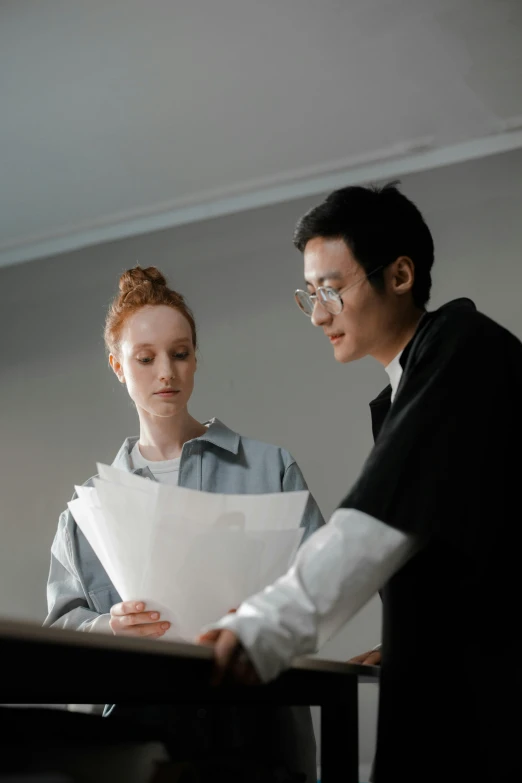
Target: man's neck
(398, 340)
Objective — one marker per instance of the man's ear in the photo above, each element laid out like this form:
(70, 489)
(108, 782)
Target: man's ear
(116, 367)
(402, 275)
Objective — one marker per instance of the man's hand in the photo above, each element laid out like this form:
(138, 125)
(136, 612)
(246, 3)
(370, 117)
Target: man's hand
(130, 619)
(370, 658)
(231, 664)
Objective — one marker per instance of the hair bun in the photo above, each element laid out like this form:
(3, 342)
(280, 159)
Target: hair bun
(133, 278)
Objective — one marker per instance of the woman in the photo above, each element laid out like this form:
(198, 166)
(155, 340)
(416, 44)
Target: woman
(151, 338)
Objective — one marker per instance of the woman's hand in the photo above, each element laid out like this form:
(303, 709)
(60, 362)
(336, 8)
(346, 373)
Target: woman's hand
(130, 619)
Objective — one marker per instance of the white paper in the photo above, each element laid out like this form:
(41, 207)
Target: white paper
(191, 555)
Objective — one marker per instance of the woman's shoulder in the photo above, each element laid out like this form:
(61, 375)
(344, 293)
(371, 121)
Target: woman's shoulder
(222, 435)
(269, 448)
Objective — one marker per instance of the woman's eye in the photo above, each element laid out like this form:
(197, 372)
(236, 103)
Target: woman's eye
(182, 355)
(145, 360)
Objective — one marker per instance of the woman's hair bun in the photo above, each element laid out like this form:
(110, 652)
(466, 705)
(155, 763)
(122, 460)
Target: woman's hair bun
(133, 278)
(142, 288)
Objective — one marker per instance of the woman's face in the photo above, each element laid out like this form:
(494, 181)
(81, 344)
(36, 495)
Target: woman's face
(157, 360)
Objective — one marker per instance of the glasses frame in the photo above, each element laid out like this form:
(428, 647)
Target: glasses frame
(335, 296)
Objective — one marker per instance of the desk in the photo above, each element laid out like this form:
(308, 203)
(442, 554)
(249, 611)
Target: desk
(39, 666)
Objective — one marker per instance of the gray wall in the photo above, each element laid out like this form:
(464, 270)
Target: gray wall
(263, 369)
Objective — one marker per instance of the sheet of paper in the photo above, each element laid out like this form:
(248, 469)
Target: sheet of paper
(191, 555)
(91, 522)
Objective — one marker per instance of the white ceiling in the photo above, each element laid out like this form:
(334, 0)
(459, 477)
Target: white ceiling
(123, 116)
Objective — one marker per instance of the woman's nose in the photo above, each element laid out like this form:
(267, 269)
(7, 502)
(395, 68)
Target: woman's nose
(166, 371)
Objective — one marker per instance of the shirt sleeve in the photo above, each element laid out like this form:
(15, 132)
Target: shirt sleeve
(100, 624)
(334, 575)
(67, 605)
(293, 481)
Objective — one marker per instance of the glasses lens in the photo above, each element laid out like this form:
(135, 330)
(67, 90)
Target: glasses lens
(304, 302)
(330, 300)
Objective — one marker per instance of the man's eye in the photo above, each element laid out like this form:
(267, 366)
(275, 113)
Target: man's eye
(145, 360)
(182, 355)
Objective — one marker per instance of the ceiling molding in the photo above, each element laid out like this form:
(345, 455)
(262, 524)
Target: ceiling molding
(405, 159)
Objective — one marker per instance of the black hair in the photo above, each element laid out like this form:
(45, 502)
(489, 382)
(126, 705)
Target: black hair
(378, 225)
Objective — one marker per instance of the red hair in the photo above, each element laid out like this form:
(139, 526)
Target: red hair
(139, 288)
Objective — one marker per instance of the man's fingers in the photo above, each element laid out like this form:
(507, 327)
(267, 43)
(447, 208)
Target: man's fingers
(226, 649)
(244, 672)
(209, 637)
(370, 658)
(373, 659)
(127, 607)
(232, 662)
(359, 658)
(212, 636)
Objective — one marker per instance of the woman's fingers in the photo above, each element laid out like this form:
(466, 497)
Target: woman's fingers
(128, 618)
(121, 627)
(139, 618)
(127, 607)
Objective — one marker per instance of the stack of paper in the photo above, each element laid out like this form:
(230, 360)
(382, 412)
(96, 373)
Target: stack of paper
(190, 555)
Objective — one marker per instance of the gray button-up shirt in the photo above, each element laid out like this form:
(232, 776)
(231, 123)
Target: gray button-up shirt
(220, 460)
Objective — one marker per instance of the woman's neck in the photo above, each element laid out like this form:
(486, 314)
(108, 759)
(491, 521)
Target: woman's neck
(162, 438)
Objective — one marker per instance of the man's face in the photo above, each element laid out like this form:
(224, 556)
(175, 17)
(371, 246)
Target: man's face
(361, 326)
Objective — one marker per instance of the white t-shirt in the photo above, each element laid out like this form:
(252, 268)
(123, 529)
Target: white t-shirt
(164, 471)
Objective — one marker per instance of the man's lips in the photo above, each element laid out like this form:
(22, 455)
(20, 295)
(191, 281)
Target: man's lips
(335, 337)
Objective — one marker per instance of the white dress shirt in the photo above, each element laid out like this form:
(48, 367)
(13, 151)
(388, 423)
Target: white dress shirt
(334, 575)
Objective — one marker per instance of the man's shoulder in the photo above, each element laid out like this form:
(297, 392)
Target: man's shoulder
(460, 326)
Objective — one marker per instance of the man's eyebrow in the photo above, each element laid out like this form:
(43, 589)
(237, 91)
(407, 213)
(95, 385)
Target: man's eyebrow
(332, 275)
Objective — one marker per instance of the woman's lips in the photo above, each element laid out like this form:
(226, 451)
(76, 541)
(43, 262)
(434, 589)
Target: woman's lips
(166, 393)
(334, 338)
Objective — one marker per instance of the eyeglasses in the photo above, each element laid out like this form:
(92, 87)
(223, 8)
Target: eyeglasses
(327, 297)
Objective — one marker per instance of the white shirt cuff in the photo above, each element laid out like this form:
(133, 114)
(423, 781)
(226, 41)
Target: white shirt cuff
(336, 572)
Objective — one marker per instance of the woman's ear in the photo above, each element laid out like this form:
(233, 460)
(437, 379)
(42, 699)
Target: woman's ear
(116, 367)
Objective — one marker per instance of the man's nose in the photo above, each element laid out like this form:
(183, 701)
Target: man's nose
(320, 315)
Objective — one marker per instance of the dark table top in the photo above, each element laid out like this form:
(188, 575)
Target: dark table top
(54, 665)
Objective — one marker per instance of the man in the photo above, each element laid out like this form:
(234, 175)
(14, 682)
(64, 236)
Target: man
(434, 518)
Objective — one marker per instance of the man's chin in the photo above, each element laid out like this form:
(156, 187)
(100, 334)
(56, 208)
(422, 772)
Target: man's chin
(343, 353)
